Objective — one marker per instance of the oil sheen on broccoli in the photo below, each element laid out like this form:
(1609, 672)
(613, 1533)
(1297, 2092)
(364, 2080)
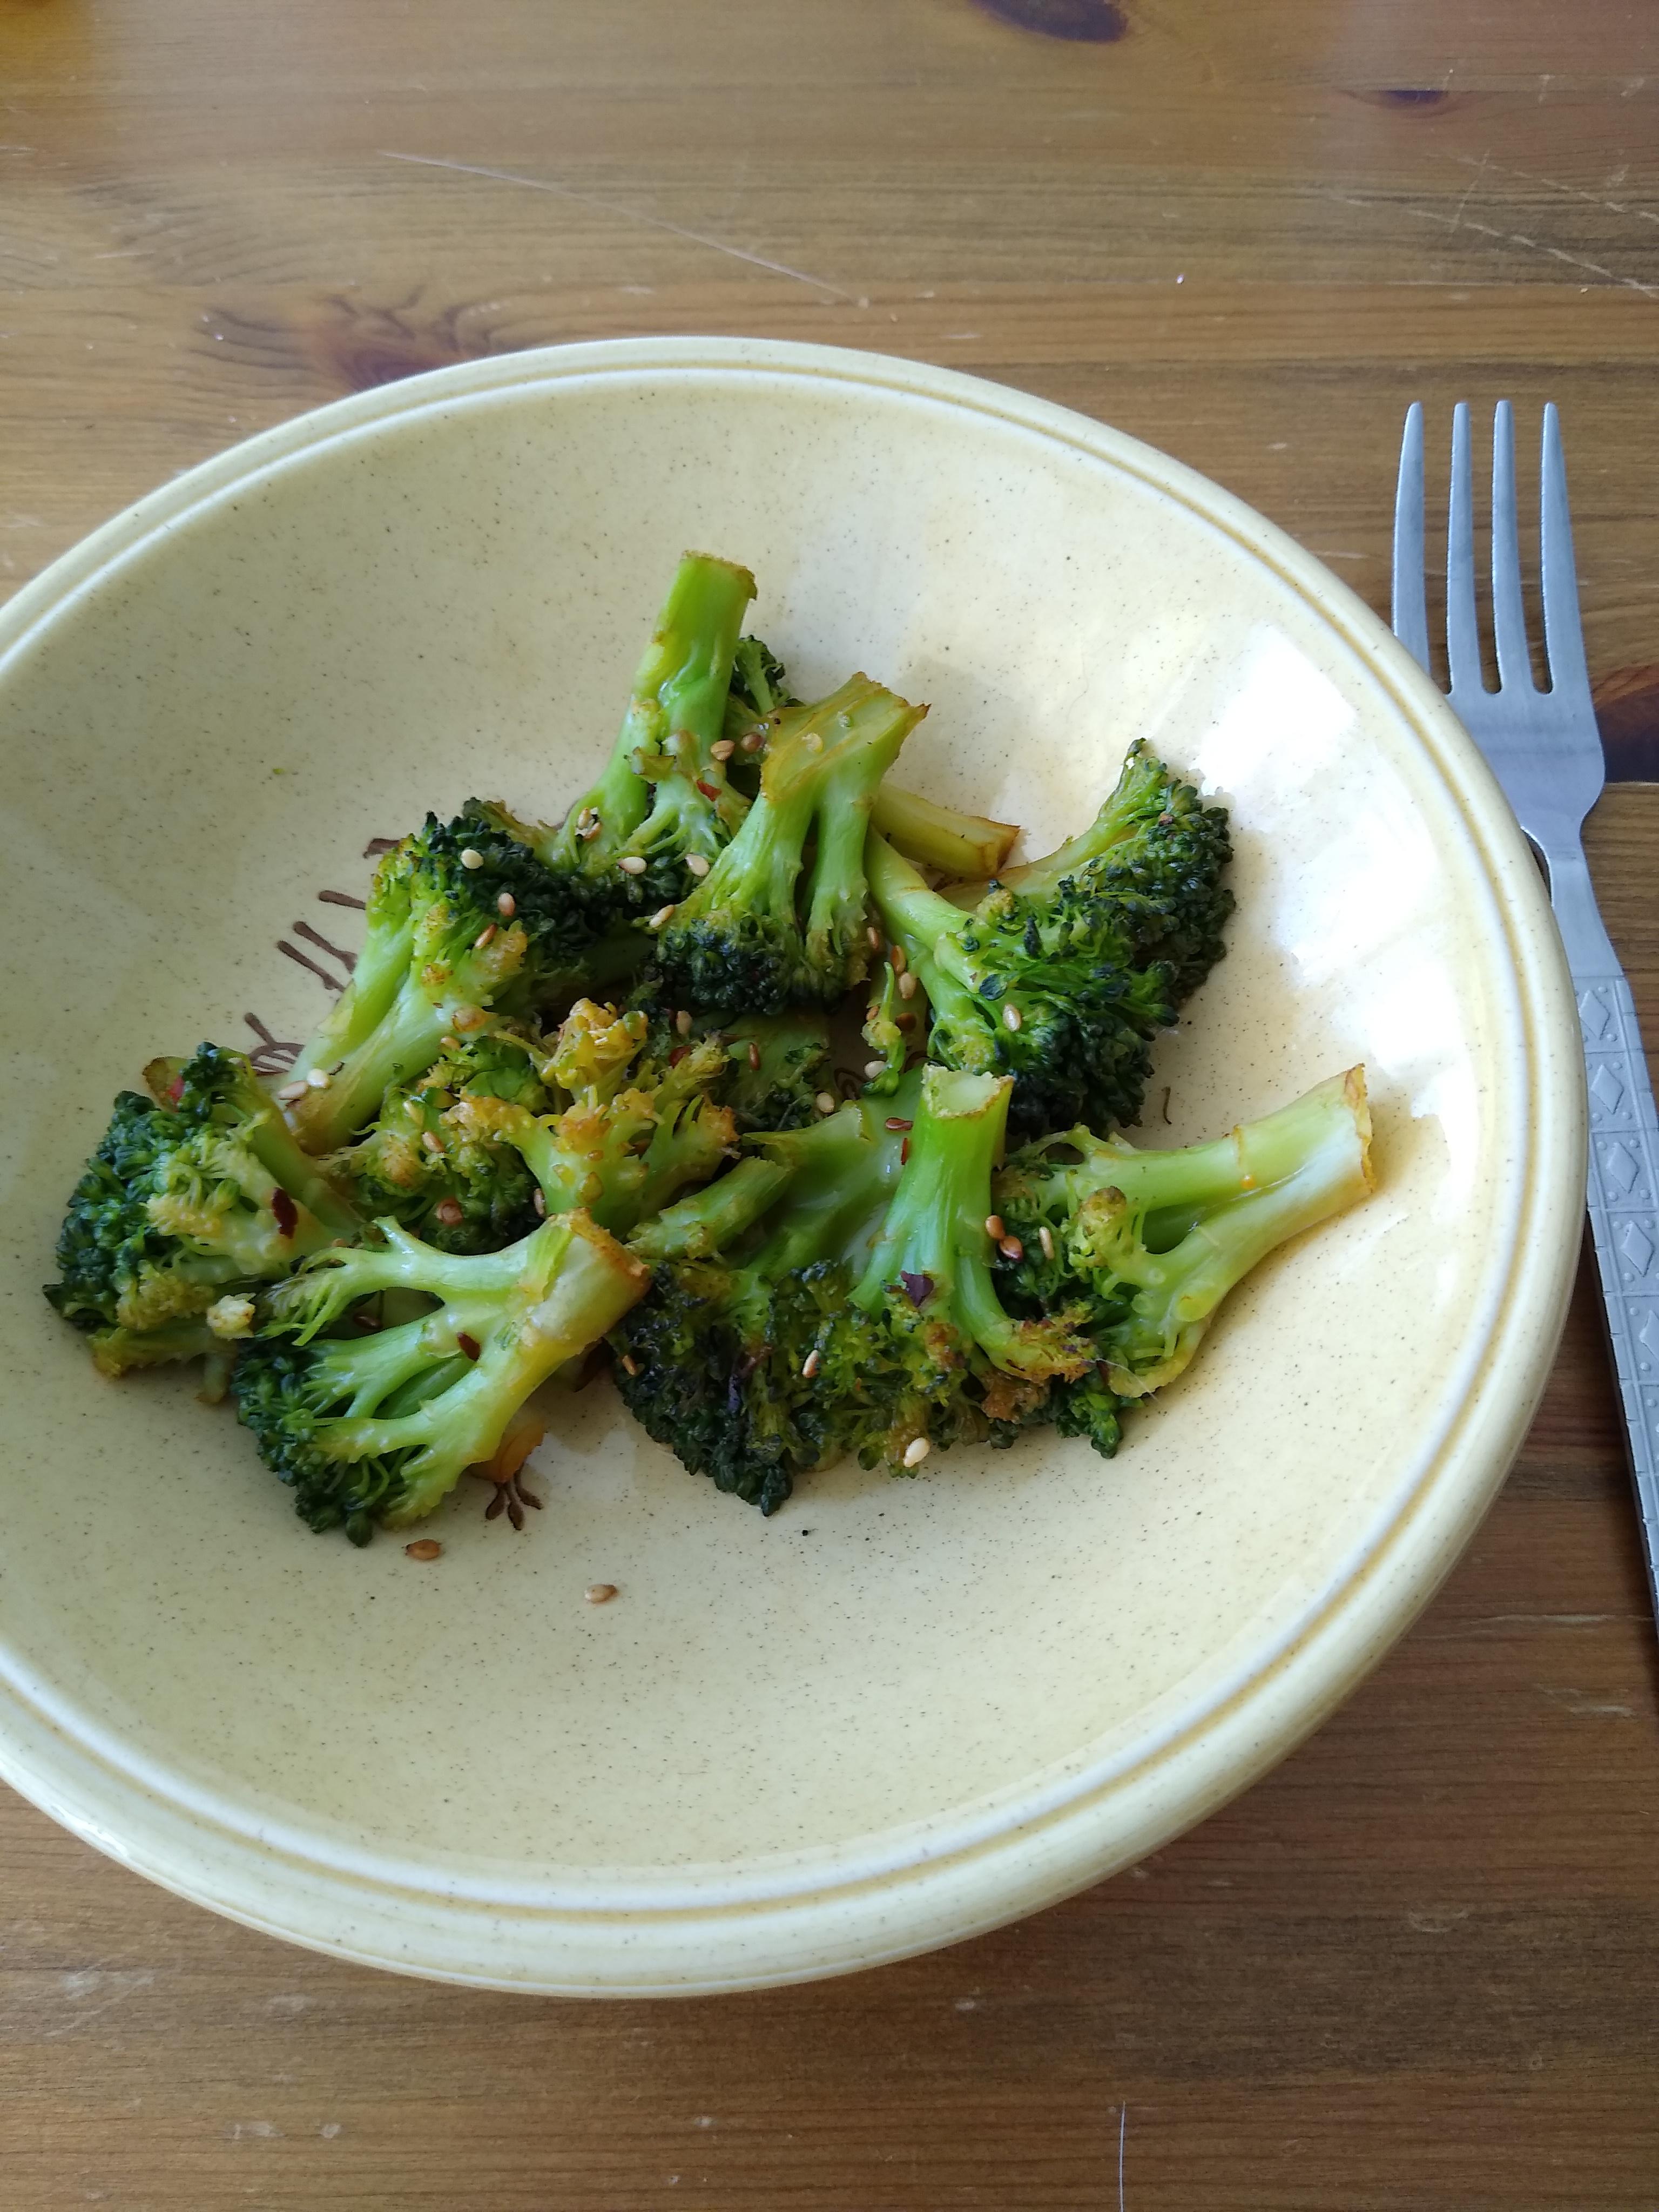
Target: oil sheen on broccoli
(1144, 1246)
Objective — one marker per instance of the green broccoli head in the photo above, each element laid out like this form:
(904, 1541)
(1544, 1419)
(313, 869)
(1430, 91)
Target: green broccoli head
(195, 1196)
(427, 1165)
(380, 1426)
(491, 930)
(768, 927)
(1063, 975)
(1144, 1246)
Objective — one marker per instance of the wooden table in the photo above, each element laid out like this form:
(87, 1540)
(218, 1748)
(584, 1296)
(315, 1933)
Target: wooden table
(1420, 1966)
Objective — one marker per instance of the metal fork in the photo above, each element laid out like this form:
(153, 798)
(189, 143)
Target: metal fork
(1545, 749)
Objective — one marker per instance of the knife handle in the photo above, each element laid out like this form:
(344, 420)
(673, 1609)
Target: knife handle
(1624, 1211)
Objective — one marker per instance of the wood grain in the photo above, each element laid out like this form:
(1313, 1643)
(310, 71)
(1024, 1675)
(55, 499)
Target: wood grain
(1418, 1967)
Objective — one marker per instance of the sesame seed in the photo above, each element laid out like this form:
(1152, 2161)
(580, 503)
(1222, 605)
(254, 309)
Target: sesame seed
(592, 831)
(450, 1043)
(874, 935)
(448, 1211)
(469, 1017)
(432, 1143)
(318, 1079)
(907, 1021)
(1046, 1238)
(631, 1366)
(426, 1548)
(484, 937)
(825, 1103)
(916, 1450)
(722, 749)
(1010, 1017)
(897, 955)
(664, 914)
(290, 1092)
(506, 906)
(698, 865)
(907, 985)
(873, 1068)
(1011, 1249)
(599, 1593)
(994, 1227)
(813, 741)
(811, 1365)
(753, 740)
(539, 1201)
(471, 857)
(584, 816)
(631, 864)
(895, 1121)
(683, 1021)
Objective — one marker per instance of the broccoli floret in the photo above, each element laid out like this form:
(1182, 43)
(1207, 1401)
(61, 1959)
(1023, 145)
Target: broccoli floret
(381, 1427)
(1143, 1246)
(710, 1363)
(194, 1196)
(777, 1066)
(629, 1131)
(938, 837)
(488, 928)
(665, 802)
(863, 1319)
(767, 928)
(1062, 976)
(428, 1166)
(1157, 853)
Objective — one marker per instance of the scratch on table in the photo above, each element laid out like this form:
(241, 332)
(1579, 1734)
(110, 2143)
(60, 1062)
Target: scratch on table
(1122, 2131)
(1503, 237)
(629, 214)
(1582, 1705)
(1555, 184)
(120, 1984)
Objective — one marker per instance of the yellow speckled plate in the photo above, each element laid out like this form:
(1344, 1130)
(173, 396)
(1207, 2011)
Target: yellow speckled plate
(900, 1711)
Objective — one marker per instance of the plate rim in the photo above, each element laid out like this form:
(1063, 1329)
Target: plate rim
(1022, 1864)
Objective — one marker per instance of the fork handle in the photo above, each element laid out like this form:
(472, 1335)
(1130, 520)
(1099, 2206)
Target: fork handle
(1624, 1211)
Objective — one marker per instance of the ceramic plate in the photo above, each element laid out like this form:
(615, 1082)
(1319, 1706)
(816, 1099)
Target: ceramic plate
(900, 1711)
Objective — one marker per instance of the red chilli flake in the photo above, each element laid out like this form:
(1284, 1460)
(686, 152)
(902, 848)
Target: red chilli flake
(896, 1121)
(917, 1288)
(708, 790)
(677, 1055)
(176, 1092)
(285, 1211)
(904, 1151)
(468, 1344)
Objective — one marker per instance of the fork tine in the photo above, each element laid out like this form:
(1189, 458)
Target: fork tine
(1509, 614)
(1410, 608)
(1564, 636)
(1462, 636)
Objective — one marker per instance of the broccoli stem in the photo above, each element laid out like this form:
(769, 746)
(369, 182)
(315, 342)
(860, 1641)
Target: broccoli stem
(1142, 786)
(842, 1172)
(940, 838)
(929, 927)
(579, 1282)
(935, 1226)
(679, 693)
(1318, 1150)
(117, 1351)
(377, 975)
(403, 1045)
(711, 1218)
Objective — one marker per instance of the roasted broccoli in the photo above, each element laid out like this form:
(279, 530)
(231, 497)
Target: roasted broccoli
(939, 837)
(427, 1165)
(381, 1426)
(195, 1197)
(768, 927)
(862, 1317)
(1062, 976)
(480, 926)
(1143, 1246)
(664, 806)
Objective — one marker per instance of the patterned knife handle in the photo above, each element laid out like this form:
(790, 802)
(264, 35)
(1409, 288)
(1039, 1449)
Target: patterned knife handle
(1624, 1211)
